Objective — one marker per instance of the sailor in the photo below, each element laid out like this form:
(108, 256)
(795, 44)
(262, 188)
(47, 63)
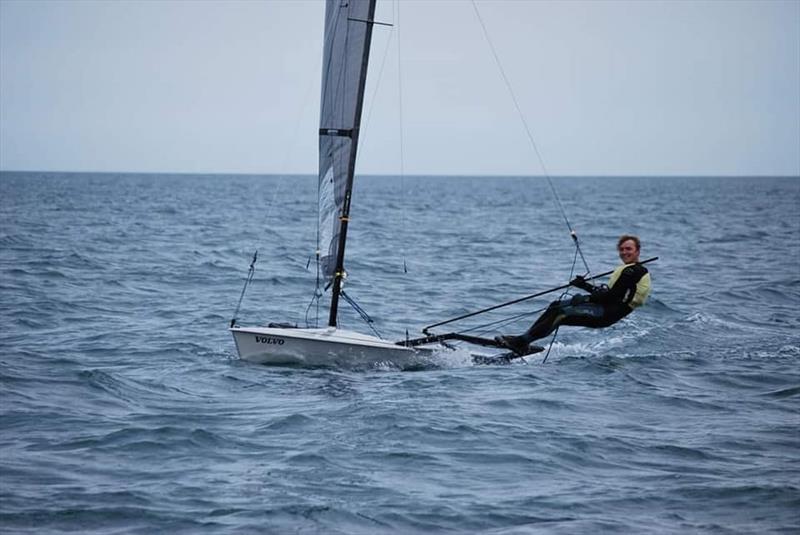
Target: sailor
(628, 288)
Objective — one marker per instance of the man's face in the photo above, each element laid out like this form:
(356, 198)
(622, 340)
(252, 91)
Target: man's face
(628, 252)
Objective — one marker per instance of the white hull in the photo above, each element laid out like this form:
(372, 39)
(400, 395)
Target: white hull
(328, 347)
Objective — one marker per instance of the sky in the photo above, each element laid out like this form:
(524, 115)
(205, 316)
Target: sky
(603, 87)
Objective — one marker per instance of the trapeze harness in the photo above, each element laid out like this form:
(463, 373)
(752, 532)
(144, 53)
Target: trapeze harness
(628, 288)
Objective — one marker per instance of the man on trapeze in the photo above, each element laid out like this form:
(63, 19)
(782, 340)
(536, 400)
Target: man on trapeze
(628, 288)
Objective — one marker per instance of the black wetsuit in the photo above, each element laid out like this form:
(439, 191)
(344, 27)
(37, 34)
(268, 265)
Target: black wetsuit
(602, 307)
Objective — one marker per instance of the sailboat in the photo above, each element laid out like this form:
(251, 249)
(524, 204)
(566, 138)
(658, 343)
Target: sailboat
(348, 35)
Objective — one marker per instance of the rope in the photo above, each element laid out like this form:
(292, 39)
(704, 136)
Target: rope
(530, 136)
(552, 340)
(361, 312)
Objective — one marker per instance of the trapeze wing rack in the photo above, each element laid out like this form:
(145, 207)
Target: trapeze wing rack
(435, 338)
(475, 340)
(507, 303)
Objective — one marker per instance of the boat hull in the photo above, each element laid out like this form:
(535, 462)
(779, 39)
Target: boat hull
(329, 347)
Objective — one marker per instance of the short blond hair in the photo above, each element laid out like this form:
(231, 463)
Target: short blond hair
(625, 237)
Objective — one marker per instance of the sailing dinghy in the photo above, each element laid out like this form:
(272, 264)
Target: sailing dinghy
(348, 34)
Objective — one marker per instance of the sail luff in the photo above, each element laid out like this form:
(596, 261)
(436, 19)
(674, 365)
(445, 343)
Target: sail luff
(348, 33)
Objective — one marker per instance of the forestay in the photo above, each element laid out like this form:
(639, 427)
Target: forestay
(348, 30)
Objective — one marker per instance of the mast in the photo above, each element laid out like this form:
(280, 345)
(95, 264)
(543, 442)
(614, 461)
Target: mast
(348, 33)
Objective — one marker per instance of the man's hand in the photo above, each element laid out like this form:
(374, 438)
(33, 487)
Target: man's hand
(583, 284)
(578, 282)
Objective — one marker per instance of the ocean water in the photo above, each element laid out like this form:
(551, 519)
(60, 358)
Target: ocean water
(124, 409)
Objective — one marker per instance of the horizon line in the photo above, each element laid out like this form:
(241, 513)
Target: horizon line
(409, 175)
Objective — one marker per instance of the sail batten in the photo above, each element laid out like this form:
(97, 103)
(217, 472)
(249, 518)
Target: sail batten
(346, 54)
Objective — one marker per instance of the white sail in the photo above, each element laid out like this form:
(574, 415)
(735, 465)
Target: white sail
(348, 31)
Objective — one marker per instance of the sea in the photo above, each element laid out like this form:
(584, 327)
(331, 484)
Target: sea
(125, 409)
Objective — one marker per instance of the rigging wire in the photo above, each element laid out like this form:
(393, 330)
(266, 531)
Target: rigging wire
(502, 322)
(247, 282)
(552, 341)
(403, 198)
(361, 312)
(314, 300)
(363, 138)
(531, 139)
(394, 34)
(294, 141)
(402, 143)
(561, 297)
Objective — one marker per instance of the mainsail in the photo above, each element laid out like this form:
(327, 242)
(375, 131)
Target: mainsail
(348, 31)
